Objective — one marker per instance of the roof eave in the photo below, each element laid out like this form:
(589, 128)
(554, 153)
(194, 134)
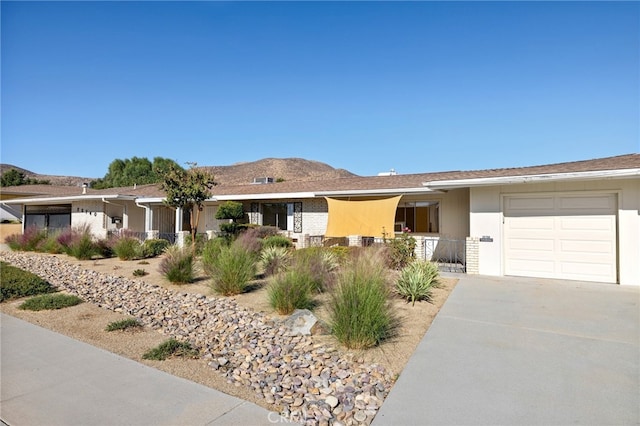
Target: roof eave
(370, 192)
(68, 198)
(540, 178)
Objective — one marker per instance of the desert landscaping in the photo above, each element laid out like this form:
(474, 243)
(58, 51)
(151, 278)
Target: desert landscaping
(244, 351)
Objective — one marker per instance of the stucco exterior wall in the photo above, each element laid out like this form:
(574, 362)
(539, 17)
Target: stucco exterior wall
(89, 213)
(486, 219)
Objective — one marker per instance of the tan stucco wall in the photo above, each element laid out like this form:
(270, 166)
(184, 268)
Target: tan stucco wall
(486, 219)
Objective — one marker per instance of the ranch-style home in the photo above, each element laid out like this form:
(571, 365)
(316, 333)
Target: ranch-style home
(577, 221)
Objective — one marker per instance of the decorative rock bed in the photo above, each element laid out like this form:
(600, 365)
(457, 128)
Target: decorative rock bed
(312, 384)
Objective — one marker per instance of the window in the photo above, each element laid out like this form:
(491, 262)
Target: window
(275, 214)
(423, 216)
(54, 217)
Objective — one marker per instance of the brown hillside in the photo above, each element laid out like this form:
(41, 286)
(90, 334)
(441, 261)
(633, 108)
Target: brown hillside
(288, 169)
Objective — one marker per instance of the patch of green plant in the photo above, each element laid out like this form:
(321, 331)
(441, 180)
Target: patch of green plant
(140, 273)
(127, 248)
(171, 347)
(16, 283)
(320, 264)
(123, 324)
(50, 244)
(417, 281)
(154, 247)
(210, 252)
(83, 248)
(274, 259)
(177, 265)
(50, 302)
(277, 241)
(401, 251)
(29, 240)
(291, 290)
(231, 270)
(143, 262)
(361, 315)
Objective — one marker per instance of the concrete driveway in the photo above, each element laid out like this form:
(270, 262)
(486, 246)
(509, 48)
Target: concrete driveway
(514, 351)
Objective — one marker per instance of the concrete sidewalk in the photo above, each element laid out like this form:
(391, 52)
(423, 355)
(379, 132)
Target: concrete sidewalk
(50, 379)
(514, 351)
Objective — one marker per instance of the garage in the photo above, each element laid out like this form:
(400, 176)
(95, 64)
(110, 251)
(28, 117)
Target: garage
(564, 236)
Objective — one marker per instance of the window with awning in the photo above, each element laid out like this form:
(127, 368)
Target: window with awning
(369, 218)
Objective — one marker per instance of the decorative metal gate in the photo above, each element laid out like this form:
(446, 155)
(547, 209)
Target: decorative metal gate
(449, 254)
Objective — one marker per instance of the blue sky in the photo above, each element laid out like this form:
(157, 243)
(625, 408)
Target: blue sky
(365, 86)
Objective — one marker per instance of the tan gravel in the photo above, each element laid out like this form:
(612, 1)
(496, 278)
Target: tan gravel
(87, 322)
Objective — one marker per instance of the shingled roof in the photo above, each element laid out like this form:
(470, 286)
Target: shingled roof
(389, 184)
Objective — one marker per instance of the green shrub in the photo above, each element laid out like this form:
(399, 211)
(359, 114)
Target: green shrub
(140, 273)
(231, 270)
(83, 248)
(171, 347)
(201, 240)
(27, 241)
(360, 311)
(154, 247)
(104, 248)
(123, 324)
(177, 265)
(319, 263)
(277, 241)
(50, 301)
(127, 248)
(50, 244)
(16, 283)
(289, 291)
(417, 281)
(341, 253)
(274, 259)
(248, 239)
(401, 251)
(211, 251)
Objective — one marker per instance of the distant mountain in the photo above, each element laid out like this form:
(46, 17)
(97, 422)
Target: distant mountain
(53, 179)
(288, 169)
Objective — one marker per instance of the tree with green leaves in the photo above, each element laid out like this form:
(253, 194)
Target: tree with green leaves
(13, 177)
(230, 210)
(188, 190)
(134, 171)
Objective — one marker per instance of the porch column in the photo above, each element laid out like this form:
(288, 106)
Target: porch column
(125, 218)
(148, 218)
(178, 219)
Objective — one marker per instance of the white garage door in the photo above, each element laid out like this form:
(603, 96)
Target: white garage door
(561, 236)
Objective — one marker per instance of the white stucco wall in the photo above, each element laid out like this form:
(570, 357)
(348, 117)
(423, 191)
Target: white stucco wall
(89, 213)
(486, 219)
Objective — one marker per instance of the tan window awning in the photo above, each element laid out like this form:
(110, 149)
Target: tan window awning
(370, 218)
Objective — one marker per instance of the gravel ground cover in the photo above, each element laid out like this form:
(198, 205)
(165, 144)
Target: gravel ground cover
(243, 351)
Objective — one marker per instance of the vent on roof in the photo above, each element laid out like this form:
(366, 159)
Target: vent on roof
(391, 172)
(261, 180)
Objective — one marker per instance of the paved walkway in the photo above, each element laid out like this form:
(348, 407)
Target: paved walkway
(502, 351)
(50, 379)
(513, 351)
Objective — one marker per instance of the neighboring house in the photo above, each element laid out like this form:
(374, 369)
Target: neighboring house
(577, 220)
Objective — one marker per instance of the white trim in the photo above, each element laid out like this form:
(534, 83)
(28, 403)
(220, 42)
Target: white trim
(257, 197)
(539, 178)
(391, 191)
(68, 198)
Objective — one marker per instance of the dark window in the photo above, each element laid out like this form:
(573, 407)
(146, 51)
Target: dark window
(275, 214)
(418, 217)
(55, 217)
